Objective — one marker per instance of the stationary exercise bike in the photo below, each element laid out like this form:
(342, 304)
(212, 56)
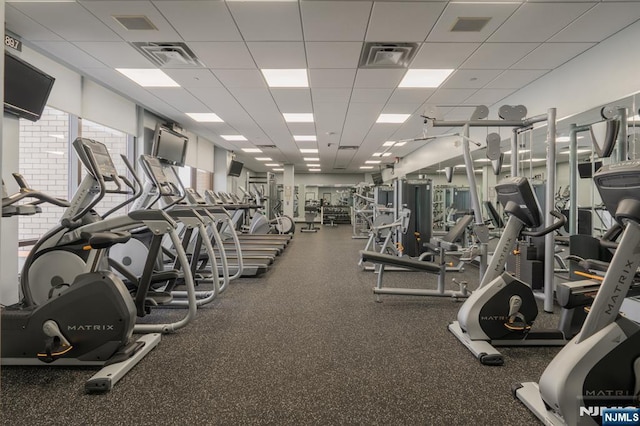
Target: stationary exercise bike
(502, 310)
(600, 367)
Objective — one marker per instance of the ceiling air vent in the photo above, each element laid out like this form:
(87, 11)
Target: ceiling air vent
(266, 146)
(387, 55)
(339, 168)
(140, 22)
(348, 148)
(169, 55)
(474, 24)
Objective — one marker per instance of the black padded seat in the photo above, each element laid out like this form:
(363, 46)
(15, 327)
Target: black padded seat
(404, 262)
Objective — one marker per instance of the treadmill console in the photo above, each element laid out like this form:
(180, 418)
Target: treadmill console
(519, 200)
(619, 188)
(103, 159)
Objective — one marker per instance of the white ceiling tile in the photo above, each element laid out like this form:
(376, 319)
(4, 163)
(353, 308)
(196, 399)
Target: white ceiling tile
(193, 78)
(335, 20)
(551, 55)
(240, 78)
(488, 96)
(115, 54)
(70, 21)
(329, 117)
(515, 79)
(179, 98)
(270, 21)
(292, 99)
(402, 21)
(497, 12)
(538, 21)
(394, 108)
(302, 128)
(106, 10)
(450, 96)
(600, 22)
(278, 54)
(27, 28)
(219, 98)
(333, 54)
(498, 55)
(324, 95)
(469, 79)
(69, 53)
(411, 95)
(369, 110)
(331, 78)
(219, 55)
(367, 78)
(200, 20)
(443, 55)
(371, 95)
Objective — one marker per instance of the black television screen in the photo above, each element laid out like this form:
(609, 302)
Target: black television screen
(235, 168)
(26, 88)
(377, 179)
(169, 146)
(585, 170)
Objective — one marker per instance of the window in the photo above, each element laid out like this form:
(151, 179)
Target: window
(117, 143)
(44, 162)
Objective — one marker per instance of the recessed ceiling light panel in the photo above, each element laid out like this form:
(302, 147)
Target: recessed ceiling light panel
(148, 77)
(205, 117)
(286, 77)
(296, 117)
(392, 118)
(427, 78)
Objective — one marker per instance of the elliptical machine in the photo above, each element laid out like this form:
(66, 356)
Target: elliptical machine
(89, 318)
(502, 310)
(600, 367)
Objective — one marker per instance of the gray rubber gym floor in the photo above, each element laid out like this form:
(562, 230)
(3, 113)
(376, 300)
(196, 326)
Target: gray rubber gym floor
(303, 344)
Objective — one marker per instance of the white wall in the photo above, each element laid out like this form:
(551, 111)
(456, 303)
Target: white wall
(9, 225)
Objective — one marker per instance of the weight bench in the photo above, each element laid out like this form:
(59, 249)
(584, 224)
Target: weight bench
(448, 242)
(414, 265)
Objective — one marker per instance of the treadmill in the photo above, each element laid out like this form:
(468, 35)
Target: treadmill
(158, 181)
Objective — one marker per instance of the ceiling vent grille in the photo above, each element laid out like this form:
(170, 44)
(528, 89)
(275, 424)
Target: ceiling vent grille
(387, 55)
(339, 168)
(136, 23)
(267, 146)
(169, 55)
(348, 148)
(475, 24)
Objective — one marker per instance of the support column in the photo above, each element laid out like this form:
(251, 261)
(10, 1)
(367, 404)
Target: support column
(221, 159)
(10, 131)
(288, 184)
(549, 243)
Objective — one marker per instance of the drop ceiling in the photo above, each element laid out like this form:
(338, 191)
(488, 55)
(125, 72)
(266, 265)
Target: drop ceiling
(521, 42)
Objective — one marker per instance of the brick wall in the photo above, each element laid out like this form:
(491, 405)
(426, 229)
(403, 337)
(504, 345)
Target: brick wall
(203, 181)
(44, 160)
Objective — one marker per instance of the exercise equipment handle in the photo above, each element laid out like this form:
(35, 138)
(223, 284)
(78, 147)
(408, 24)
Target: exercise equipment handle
(556, 225)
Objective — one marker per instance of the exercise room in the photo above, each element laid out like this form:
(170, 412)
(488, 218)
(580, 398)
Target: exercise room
(320, 212)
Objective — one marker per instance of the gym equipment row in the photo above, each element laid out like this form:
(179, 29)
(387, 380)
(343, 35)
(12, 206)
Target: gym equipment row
(598, 364)
(112, 272)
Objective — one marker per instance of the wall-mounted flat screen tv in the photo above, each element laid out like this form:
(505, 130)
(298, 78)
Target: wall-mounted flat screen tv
(169, 146)
(377, 179)
(26, 88)
(235, 168)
